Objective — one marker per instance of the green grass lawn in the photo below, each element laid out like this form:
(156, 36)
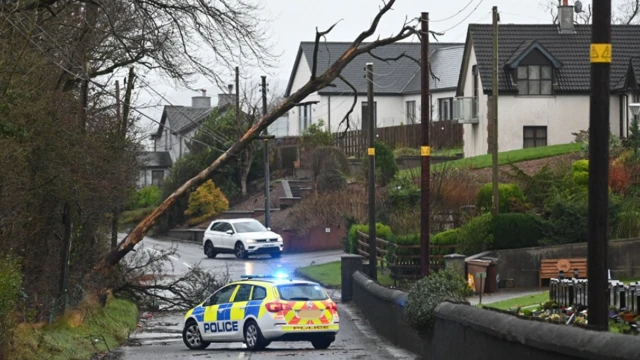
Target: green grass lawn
(529, 300)
(329, 274)
(79, 335)
(484, 161)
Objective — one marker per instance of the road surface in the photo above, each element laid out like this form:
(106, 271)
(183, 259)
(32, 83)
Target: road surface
(159, 336)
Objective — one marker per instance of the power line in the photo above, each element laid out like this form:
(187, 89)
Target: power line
(100, 85)
(454, 15)
(466, 17)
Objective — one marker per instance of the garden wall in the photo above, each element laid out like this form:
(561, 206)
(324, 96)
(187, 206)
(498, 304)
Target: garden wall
(317, 239)
(523, 265)
(466, 332)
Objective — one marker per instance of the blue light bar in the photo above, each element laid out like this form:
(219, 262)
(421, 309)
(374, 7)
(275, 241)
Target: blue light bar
(280, 275)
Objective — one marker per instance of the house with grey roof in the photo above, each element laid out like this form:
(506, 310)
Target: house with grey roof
(396, 85)
(155, 165)
(544, 83)
(178, 123)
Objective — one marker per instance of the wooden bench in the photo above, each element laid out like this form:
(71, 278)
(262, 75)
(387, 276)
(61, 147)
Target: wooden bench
(549, 268)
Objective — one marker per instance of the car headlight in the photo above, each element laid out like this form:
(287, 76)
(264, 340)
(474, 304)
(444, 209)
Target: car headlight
(250, 241)
(279, 239)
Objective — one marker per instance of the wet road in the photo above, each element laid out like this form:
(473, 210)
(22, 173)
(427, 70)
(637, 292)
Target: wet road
(159, 336)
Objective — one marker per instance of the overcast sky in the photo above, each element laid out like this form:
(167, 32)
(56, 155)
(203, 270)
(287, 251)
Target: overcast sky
(294, 21)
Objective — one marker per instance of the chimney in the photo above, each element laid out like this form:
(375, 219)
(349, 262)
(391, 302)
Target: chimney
(227, 99)
(565, 18)
(201, 102)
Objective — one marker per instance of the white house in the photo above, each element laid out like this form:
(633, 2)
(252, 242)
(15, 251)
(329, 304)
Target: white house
(544, 83)
(156, 164)
(396, 85)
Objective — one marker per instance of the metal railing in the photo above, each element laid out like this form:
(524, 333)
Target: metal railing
(575, 292)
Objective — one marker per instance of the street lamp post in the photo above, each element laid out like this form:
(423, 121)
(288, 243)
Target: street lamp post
(635, 110)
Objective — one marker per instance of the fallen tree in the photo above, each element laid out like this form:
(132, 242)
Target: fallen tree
(315, 83)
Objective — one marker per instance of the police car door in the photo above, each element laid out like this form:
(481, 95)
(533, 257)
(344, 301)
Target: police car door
(213, 327)
(238, 311)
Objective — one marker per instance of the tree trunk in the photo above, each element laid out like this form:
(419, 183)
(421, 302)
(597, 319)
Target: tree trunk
(114, 229)
(247, 158)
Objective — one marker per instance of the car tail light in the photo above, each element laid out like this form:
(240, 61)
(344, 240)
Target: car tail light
(332, 306)
(277, 307)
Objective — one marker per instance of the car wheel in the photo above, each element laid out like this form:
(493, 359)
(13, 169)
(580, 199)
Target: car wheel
(253, 337)
(276, 255)
(240, 251)
(192, 337)
(321, 343)
(208, 249)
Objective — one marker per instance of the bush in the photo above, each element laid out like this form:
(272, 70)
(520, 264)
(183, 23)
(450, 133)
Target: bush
(581, 178)
(315, 136)
(448, 237)
(382, 232)
(135, 216)
(10, 288)
(404, 193)
(516, 231)
(406, 152)
(615, 144)
(386, 166)
(619, 179)
(580, 165)
(510, 197)
(206, 202)
(145, 197)
(331, 178)
(476, 236)
(431, 291)
(568, 214)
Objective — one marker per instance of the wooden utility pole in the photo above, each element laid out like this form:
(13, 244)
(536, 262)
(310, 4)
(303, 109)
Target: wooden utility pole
(371, 152)
(267, 186)
(599, 164)
(494, 113)
(425, 150)
(115, 215)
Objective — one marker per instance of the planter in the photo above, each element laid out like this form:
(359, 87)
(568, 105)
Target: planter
(296, 164)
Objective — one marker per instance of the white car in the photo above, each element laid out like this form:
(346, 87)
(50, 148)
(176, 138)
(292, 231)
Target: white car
(242, 237)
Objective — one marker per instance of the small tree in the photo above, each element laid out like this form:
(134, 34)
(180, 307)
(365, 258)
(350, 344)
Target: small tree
(315, 136)
(331, 178)
(386, 165)
(206, 202)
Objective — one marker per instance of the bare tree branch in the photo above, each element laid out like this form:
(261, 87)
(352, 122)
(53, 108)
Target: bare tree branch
(405, 55)
(355, 102)
(634, 13)
(319, 35)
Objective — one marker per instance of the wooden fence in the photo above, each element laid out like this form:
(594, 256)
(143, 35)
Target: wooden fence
(404, 261)
(443, 135)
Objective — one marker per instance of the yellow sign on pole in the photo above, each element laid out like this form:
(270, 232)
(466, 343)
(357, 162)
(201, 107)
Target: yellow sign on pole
(601, 53)
(425, 151)
(371, 151)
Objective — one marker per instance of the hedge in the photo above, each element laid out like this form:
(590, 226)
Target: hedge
(508, 195)
(382, 232)
(516, 231)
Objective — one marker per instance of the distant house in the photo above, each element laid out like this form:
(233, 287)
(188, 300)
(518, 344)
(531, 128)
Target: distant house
(544, 83)
(280, 128)
(178, 124)
(396, 86)
(156, 164)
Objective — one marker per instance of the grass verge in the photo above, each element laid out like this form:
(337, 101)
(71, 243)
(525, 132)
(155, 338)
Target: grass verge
(329, 274)
(514, 156)
(528, 300)
(79, 334)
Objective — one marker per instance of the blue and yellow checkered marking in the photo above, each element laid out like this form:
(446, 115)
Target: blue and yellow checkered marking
(198, 313)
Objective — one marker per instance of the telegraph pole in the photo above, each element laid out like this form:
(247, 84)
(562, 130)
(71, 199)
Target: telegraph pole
(267, 192)
(599, 164)
(371, 152)
(494, 108)
(425, 150)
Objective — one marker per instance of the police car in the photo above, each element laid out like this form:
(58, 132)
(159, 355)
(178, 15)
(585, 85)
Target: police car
(260, 309)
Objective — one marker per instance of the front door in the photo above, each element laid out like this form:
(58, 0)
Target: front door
(216, 326)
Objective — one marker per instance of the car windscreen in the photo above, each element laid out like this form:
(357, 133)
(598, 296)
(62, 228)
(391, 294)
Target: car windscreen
(301, 292)
(249, 226)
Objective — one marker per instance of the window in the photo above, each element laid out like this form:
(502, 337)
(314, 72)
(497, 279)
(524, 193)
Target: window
(243, 294)
(249, 227)
(304, 116)
(535, 136)
(259, 293)
(215, 226)
(365, 112)
(224, 227)
(411, 112)
(476, 92)
(156, 177)
(301, 292)
(221, 297)
(445, 109)
(535, 80)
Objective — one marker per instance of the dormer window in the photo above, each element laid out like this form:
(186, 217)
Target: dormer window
(535, 80)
